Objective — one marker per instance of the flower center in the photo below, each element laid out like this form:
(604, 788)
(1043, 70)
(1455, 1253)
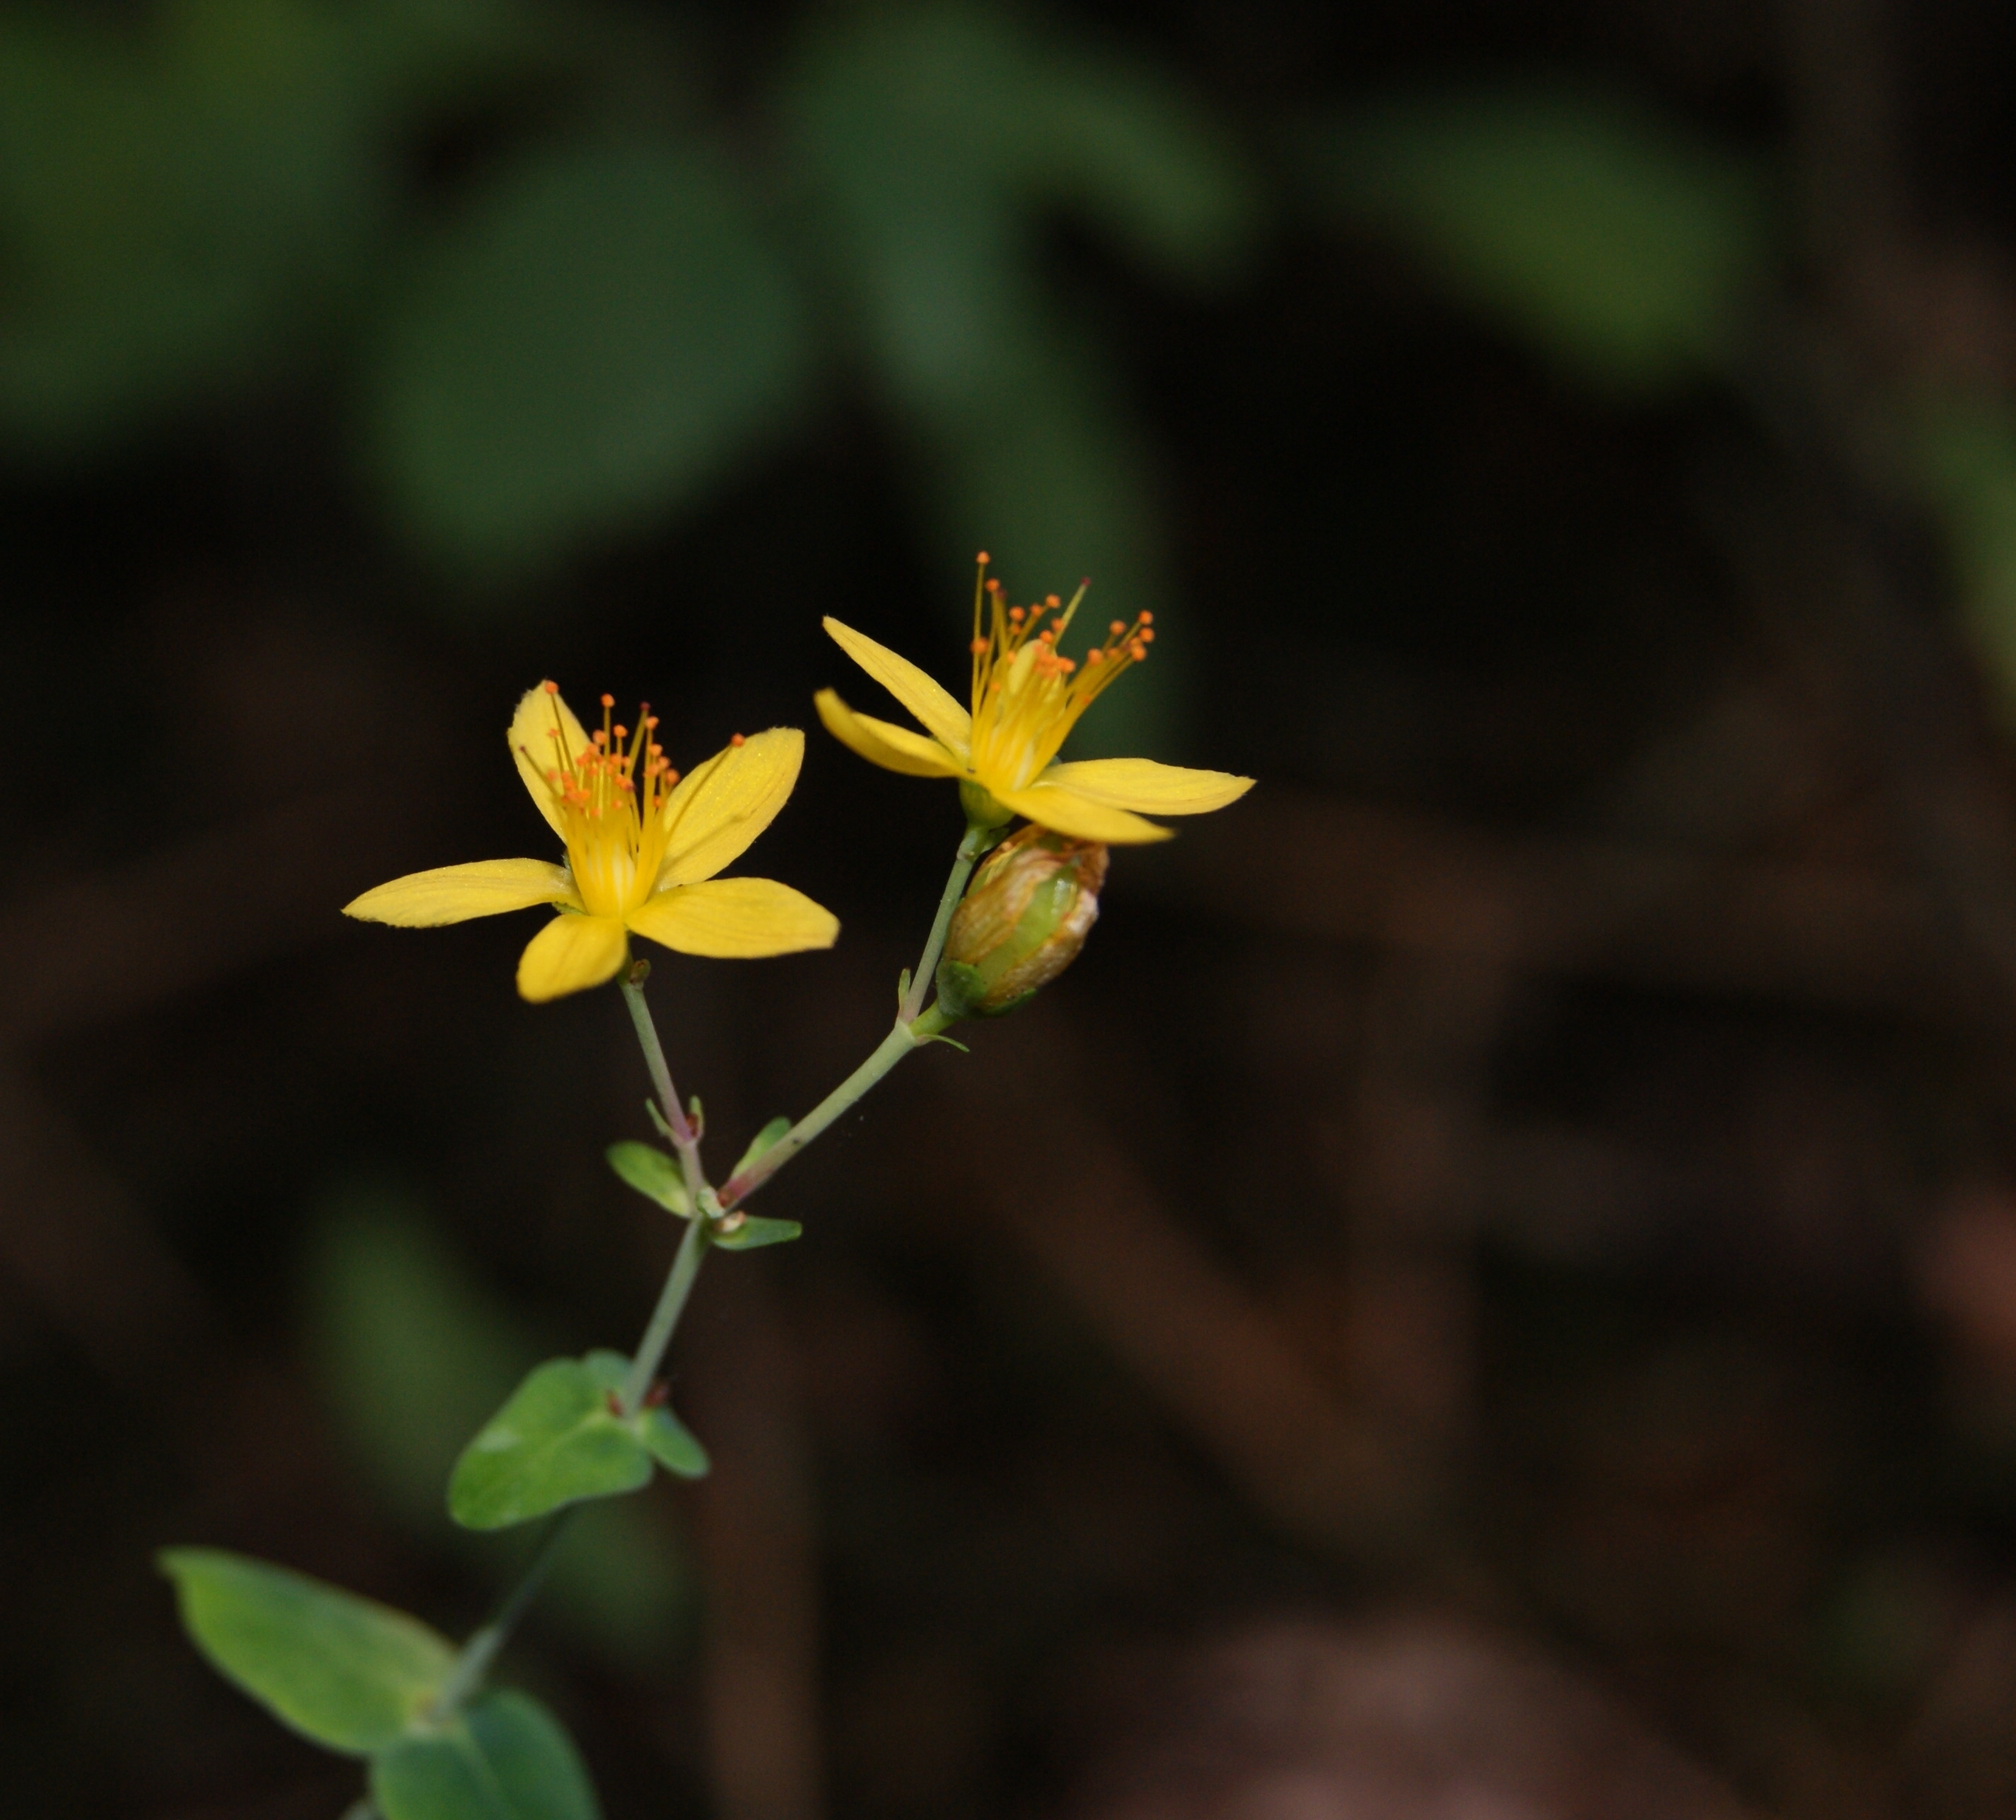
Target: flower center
(1026, 694)
(610, 795)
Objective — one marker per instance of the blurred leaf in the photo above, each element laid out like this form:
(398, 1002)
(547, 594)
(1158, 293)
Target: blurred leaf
(599, 339)
(753, 1233)
(763, 1141)
(1967, 451)
(412, 1357)
(191, 204)
(506, 1757)
(558, 1439)
(347, 1672)
(1128, 148)
(1624, 247)
(654, 1175)
(933, 143)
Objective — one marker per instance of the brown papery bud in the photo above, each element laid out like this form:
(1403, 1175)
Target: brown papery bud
(1030, 906)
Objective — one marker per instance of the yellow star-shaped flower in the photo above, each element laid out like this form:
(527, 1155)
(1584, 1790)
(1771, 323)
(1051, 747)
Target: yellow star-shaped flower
(642, 848)
(1027, 696)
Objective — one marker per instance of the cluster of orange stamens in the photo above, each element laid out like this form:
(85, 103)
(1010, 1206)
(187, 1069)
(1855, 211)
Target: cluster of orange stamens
(1026, 694)
(1009, 629)
(617, 768)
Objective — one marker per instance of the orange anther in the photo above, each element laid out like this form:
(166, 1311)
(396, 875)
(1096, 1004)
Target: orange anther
(1052, 600)
(1147, 638)
(1147, 619)
(979, 647)
(983, 558)
(735, 739)
(1094, 656)
(993, 585)
(609, 701)
(550, 688)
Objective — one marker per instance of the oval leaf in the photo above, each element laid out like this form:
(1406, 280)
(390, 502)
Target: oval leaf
(504, 1758)
(753, 1233)
(347, 1672)
(555, 1442)
(762, 1142)
(653, 1174)
(673, 1445)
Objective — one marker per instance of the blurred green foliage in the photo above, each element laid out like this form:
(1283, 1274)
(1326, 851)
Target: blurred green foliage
(347, 1672)
(413, 1358)
(504, 1758)
(1627, 250)
(619, 309)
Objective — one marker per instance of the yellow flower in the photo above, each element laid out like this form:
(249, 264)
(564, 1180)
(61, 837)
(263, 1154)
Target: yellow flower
(642, 848)
(1026, 695)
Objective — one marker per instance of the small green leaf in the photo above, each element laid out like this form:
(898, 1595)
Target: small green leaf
(504, 1758)
(753, 1233)
(673, 1445)
(762, 1142)
(559, 1440)
(653, 1174)
(347, 1672)
(658, 1120)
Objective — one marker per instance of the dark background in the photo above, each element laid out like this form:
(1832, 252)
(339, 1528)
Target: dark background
(1515, 1219)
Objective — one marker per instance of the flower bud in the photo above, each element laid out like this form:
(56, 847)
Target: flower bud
(1032, 903)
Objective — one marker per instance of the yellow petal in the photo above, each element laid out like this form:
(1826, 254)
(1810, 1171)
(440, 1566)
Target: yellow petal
(943, 718)
(1079, 817)
(453, 893)
(570, 955)
(721, 806)
(535, 750)
(735, 919)
(1141, 783)
(893, 748)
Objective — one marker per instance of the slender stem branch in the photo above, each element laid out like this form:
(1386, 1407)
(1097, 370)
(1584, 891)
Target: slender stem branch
(665, 1316)
(685, 1139)
(970, 850)
(914, 1026)
(893, 1048)
(481, 1649)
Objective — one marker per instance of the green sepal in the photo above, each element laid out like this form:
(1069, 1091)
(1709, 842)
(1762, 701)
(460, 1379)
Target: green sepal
(654, 1175)
(753, 1233)
(504, 1757)
(984, 809)
(349, 1673)
(762, 1142)
(960, 988)
(658, 1120)
(558, 1439)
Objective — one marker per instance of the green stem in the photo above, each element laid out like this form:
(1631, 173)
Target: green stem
(974, 844)
(665, 1317)
(912, 1030)
(481, 1649)
(685, 1139)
